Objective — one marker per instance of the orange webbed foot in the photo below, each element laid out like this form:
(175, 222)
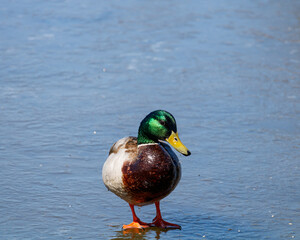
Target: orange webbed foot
(136, 224)
(160, 223)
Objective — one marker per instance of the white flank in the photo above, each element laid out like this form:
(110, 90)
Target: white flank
(112, 169)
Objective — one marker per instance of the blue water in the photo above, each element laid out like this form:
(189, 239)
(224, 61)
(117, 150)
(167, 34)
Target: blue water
(75, 76)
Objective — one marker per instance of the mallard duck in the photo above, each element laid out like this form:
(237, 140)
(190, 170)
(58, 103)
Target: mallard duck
(144, 170)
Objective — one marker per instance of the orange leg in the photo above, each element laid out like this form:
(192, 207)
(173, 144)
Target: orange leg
(137, 223)
(159, 222)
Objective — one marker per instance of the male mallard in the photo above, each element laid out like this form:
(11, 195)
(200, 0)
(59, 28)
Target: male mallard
(144, 170)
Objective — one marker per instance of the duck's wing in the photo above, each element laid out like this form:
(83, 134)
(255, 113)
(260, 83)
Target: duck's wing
(127, 143)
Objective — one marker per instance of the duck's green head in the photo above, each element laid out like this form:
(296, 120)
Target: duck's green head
(158, 126)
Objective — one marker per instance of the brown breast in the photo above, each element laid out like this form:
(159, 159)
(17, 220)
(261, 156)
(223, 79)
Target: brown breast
(151, 176)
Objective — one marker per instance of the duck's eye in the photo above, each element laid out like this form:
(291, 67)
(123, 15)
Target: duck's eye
(162, 123)
(175, 138)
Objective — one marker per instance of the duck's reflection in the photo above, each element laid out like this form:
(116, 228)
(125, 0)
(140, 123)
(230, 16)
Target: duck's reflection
(139, 234)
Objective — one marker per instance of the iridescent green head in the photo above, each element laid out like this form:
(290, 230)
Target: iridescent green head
(158, 126)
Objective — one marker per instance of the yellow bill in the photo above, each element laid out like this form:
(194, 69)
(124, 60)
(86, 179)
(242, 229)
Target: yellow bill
(177, 144)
